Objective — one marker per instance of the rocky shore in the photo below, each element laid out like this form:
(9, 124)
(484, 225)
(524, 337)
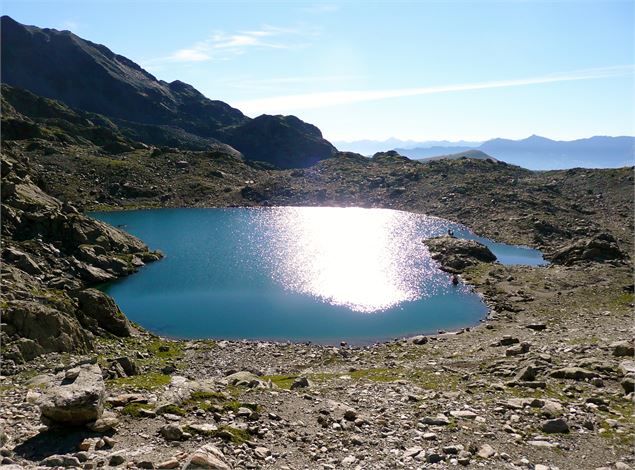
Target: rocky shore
(546, 382)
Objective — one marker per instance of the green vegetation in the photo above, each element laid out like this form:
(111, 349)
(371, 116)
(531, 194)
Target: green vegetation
(134, 409)
(143, 381)
(282, 381)
(171, 409)
(165, 349)
(376, 375)
(229, 433)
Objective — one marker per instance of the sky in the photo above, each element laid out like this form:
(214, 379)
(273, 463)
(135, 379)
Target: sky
(416, 70)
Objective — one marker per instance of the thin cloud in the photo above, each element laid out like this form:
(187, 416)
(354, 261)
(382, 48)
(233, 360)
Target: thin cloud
(222, 45)
(335, 98)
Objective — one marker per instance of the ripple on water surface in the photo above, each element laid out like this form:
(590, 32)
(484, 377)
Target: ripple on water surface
(319, 274)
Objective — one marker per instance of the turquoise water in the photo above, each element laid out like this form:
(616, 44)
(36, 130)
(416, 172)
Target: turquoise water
(301, 274)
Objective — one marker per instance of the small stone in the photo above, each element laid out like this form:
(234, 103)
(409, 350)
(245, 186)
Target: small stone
(430, 436)
(419, 340)
(412, 452)
(348, 461)
(486, 451)
(109, 441)
(85, 444)
(116, 459)
(171, 432)
(536, 326)
(628, 384)
(209, 457)
(168, 464)
(262, 453)
(350, 415)
(622, 348)
(452, 450)
(527, 373)
(72, 374)
(300, 382)
(438, 420)
(145, 464)
(521, 348)
(465, 414)
(622, 466)
(574, 373)
(555, 426)
(434, 458)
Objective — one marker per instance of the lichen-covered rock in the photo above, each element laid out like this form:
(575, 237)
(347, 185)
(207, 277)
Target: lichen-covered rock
(74, 402)
(103, 309)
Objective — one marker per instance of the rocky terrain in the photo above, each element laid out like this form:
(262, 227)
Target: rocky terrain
(545, 382)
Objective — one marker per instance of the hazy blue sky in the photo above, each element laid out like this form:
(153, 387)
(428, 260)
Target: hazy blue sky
(413, 70)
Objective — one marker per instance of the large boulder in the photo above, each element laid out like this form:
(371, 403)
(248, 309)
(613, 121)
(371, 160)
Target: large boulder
(455, 254)
(102, 308)
(600, 248)
(75, 397)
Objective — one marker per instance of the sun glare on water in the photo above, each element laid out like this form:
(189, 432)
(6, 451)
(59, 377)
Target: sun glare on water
(365, 259)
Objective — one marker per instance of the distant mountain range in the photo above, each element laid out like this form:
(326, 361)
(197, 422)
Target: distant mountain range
(540, 153)
(370, 147)
(89, 77)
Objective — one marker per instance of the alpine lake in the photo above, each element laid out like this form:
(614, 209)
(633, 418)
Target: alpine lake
(317, 274)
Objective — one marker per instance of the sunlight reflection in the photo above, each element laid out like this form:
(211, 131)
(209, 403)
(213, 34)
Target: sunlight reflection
(366, 259)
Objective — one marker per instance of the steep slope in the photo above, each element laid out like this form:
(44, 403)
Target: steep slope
(90, 77)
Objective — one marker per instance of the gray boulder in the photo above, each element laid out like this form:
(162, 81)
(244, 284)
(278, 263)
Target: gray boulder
(74, 402)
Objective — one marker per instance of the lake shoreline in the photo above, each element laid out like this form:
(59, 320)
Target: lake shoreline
(543, 381)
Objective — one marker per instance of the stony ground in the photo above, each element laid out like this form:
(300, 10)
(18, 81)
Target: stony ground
(490, 397)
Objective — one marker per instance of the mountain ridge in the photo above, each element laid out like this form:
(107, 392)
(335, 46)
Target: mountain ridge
(90, 77)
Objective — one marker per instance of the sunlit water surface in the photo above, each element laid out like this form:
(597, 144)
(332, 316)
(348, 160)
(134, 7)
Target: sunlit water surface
(319, 274)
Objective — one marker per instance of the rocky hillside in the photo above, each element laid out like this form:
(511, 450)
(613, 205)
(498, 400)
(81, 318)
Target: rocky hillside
(148, 110)
(51, 254)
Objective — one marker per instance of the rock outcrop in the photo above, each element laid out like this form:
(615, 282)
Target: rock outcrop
(600, 248)
(455, 254)
(50, 253)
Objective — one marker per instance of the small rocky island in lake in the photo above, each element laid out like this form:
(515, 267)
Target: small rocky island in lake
(546, 381)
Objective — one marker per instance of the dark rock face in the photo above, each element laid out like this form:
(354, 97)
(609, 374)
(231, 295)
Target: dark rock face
(100, 307)
(456, 254)
(600, 248)
(90, 77)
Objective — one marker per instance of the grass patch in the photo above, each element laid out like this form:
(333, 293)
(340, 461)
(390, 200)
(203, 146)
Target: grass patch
(229, 433)
(165, 349)
(376, 375)
(134, 409)
(171, 409)
(282, 381)
(143, 381)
